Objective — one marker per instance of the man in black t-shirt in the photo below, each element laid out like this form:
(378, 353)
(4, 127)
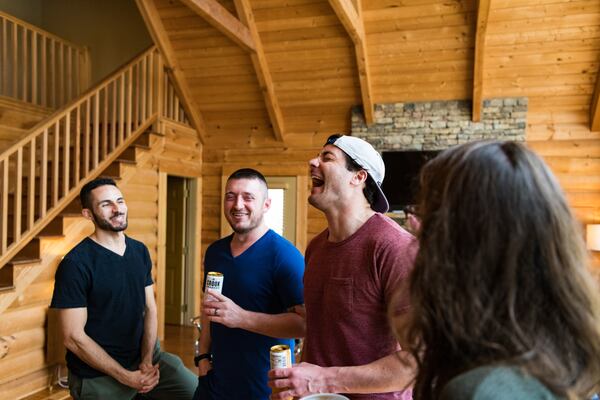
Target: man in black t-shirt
(105, 300)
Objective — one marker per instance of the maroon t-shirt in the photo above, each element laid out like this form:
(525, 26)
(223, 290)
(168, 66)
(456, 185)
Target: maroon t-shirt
(348, 286)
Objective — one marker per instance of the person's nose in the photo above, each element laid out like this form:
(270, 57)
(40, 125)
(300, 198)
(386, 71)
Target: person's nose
(239, 203)
(314, 162)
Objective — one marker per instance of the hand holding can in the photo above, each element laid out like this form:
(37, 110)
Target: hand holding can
(214, 281)
(281, 357)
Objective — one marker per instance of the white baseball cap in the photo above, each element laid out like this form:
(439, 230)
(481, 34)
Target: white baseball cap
(365, 155)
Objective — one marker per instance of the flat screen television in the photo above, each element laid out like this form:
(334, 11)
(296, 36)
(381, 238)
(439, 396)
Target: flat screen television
(401, 182)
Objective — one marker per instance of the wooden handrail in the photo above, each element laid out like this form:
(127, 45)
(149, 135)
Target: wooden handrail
(39, 67)
(40, 30)
(73, 145)
(51, 119)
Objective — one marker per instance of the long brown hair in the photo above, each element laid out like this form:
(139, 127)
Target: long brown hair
(501, 276)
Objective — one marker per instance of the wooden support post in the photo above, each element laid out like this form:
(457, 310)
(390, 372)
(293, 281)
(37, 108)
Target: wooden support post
(595, 107)
(483, 12)
(351, 19)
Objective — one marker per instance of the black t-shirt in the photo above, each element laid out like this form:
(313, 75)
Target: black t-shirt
(112, 288)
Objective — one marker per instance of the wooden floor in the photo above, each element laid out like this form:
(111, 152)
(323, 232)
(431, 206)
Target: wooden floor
(178, 340)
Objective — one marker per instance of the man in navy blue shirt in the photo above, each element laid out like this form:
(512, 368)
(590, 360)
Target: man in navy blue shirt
(105, 300)
(261, 304)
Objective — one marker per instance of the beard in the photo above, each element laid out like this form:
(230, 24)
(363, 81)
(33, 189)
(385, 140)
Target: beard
(245, 227)
(105, 224)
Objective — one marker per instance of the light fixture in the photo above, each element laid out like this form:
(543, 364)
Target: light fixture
(593, 237)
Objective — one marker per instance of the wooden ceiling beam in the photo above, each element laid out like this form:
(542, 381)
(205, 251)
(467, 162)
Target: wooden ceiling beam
(350, 15)
(159, 36)
(221, 19)
(483, 13)
(265, 81)
(595, 107)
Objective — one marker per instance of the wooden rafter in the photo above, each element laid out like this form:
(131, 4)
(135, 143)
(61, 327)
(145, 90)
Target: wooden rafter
(244, 11)
(483, 13)
(351, 18)
(221, 19)
(159, 35)
(595, 107)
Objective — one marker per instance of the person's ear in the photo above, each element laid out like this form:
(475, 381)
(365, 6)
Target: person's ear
(360, 177)
(267, 204)
(87, 214)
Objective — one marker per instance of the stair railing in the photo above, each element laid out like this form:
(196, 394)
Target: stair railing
(38, 67)
(43, 172)
(172, 107)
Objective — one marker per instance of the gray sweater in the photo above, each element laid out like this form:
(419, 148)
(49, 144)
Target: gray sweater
(496, 383)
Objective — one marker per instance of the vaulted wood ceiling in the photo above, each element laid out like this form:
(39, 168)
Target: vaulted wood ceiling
(295, 67)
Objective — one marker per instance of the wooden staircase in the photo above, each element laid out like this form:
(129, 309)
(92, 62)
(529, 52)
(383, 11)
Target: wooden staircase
(36, 264)
(57, 136)
(19, 272)
(111, 130)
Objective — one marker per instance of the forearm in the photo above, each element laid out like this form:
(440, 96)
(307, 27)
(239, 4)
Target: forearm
(391, 373)
(204, 343)
(93, 355)
(285, 325)
(150, 336)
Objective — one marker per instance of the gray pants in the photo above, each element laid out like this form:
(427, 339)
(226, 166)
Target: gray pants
(176, 383)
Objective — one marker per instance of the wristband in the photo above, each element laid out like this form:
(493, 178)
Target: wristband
(199, 357)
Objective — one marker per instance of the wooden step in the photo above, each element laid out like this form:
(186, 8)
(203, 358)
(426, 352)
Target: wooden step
(73, 209)
(20, 114)
(9, 271)
(115, 169)
(54, 229)
(53, 393)
(143, 142)
(9, 136)
(31, 251)
(7, 278)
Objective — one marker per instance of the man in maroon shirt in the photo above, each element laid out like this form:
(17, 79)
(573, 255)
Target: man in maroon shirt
(353, 269)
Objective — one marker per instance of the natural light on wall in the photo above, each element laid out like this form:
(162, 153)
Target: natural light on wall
(274, 216)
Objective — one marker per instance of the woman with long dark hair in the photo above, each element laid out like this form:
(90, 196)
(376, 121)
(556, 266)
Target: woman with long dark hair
(504, 306)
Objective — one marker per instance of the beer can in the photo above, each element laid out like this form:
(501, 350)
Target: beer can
(214, 281)
(281, 357)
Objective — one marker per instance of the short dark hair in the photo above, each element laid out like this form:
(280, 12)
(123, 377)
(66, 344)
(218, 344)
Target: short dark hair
(249, 173)
(370, 190)
(86, 190)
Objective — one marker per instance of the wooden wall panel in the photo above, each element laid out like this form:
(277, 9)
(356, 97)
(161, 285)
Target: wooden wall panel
(549, 51)
(420, 50)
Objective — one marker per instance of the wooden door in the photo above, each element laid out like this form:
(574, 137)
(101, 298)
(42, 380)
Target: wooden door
(175, 250)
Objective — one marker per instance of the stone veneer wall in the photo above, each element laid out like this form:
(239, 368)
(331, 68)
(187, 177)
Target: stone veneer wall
(438, 125)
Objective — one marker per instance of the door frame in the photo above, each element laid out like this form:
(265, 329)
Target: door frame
(193, 244)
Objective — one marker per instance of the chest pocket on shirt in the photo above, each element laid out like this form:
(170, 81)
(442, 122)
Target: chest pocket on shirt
(339, 296)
